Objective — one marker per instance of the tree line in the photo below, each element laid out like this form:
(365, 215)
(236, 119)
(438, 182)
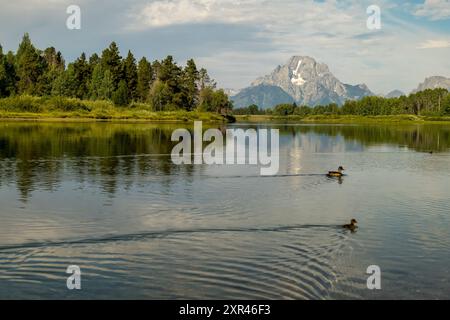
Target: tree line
(430, 102)
(163, 84)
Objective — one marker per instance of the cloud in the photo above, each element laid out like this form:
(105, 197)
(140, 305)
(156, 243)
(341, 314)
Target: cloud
(164, 13)
(240, 40)
(434, 9)
(434, 44)
(269, 13)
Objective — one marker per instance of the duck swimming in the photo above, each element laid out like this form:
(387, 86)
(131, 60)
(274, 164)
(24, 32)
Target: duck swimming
(337, 173)
(352, 226)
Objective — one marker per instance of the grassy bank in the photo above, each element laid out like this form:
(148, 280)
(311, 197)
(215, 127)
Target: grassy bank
(343, 119)
(58, 108)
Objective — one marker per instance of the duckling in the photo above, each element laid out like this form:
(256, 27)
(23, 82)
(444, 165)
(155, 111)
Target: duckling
(336, 173)
(352, 226)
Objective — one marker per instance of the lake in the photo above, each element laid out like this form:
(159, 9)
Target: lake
(108, 198)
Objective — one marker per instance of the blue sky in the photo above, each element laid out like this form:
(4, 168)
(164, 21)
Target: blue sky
(240, 40)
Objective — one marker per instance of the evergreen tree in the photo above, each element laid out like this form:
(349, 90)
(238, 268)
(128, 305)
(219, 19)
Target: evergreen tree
(112, 61)
(7, 74)
(53, 59)
(190, 81)
(96, 82)
(3, 74)
(169, 74)
(54, 68)
(131, 76)
(162, 83)
(82, 76)
(107, 86)
(120, 96)
(94, 60)
(65, 85)
(205, 80)
(144, 79)
(30, 68)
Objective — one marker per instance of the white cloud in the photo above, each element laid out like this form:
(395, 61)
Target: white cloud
(434, 44)
(240, 40)
(332, 31)
(434, 9)
(272, 14)
(163, 13)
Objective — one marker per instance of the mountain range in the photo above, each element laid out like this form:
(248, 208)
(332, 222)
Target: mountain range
(305, 81)
(434, 83)
(301, 80)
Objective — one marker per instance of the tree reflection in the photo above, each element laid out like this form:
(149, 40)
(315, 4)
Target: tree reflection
(112, 156)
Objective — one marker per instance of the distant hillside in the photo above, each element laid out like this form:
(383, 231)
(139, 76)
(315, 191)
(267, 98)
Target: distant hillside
(395, 94)
(264, 96)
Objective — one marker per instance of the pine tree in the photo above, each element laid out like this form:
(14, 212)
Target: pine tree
(53, 59)
(96, 82)
(107, 86)
(112, 61)
(7, 75)
(144, 79)
(170, 75)
(94, 60)
(30, 68)
(3, 74)
(82, 76)
(205, 80)
(191, 76)
(65, 85)
(54, 68)
(131, 76)
(120, 96)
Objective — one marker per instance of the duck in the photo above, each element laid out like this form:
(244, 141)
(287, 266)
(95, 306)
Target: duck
(352, 226)
(337, 173)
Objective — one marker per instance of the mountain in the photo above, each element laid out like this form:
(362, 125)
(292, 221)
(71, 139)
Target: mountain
(306, 81)
(264, 96)
(231, 92)
(395, 94)
(433, 83)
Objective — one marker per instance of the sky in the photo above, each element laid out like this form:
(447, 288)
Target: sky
(241, 40)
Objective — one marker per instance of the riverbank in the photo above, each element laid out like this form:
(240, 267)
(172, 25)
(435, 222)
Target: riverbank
(125, 116)
(343, 119)
(69, 109)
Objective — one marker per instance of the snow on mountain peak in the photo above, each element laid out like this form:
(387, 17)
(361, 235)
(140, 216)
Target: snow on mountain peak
(297, 78)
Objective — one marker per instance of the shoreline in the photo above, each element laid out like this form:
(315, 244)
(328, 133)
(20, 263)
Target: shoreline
(345, 119)
(188, 117)
(155, 117)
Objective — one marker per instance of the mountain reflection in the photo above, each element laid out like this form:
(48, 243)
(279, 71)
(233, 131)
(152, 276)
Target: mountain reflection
(38, 155)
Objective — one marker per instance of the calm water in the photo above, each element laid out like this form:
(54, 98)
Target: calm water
(106, 197)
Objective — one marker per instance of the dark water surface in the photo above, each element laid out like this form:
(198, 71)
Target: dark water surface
(106, 197)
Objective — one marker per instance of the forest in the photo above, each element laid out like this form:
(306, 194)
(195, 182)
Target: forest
(430, 102)
(34, 80)
(38, 81)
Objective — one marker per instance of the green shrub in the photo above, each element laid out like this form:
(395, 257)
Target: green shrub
(140, 106)
(21, 104)
(66, 104)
